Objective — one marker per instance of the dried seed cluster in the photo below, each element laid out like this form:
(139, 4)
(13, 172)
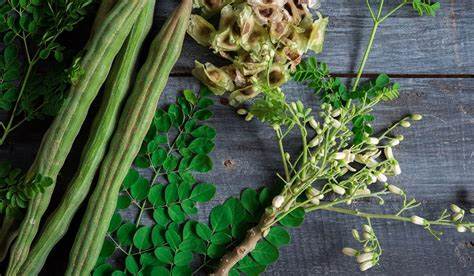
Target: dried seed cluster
(263, 39)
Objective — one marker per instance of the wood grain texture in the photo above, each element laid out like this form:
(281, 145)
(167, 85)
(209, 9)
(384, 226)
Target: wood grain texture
(407, 44)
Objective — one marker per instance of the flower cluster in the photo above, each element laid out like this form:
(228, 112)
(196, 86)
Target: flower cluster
(263, 39)
(371, 250)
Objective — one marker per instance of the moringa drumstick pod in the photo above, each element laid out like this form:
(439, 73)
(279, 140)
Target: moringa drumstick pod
(132, 128)
(58, 140)
(116, 88)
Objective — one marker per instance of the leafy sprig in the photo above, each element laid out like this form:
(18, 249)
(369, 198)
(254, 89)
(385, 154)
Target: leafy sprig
(176, 147)
(31, 31)
(15, 192)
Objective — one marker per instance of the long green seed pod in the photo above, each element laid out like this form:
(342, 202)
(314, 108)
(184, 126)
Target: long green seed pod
(133, 125)
(117, 86)
(58, 140)
(9, 229)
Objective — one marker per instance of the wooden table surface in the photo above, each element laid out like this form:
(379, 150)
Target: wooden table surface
(433, 60)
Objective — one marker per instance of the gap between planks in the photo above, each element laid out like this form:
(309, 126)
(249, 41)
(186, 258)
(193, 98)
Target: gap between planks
(373, 75)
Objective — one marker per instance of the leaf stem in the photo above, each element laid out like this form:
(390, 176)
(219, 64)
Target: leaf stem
(380, 216)
(7, 128)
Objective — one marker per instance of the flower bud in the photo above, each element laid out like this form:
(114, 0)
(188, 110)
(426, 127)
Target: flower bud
(294, 107)
(373, 141)
(388, 152)
(400, 137)
(249, 117)
(405, 124)
(364, 257)
(315, 201)
(367, 249)
(287, 156)
(395, 190)
(461, 228)
(276, 127)
(382, 177)
(455, 208)
(336, 123)
(418, 220)
(416, 117)
(366, 265)
(355, 234)
(367, 228)
(338, 189)
(351, 252)
(242, 111)
(336, 113)
(314, 142)
(367, 236)
(277, 201)
(457, 216)
(313, 123)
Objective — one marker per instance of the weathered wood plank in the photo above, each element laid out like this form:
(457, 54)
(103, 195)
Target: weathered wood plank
(406, 43)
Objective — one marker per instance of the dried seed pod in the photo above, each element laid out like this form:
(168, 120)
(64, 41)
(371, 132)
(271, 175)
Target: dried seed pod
(201, 30)
(215, 78)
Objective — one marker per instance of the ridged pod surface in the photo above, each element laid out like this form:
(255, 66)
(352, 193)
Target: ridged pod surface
(58, 140)
(116, 88)
(134, 123)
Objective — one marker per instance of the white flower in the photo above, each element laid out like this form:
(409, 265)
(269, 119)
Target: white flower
(394, 142)
(340, 155)
(373, 178)
(418, 220)
(338, 189)
(277, 201)
(395, 190)
(396, 169)
(366, 265)
(371, 162)
(364, 257)
(373, 141)
(351, 252)
(388, 152)
(382, 177)
(455, 208)
(461, 228)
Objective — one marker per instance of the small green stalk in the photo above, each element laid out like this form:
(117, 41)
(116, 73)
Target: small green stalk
(134, 123)
(116, 89)
(58, 140)
(377, 19)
